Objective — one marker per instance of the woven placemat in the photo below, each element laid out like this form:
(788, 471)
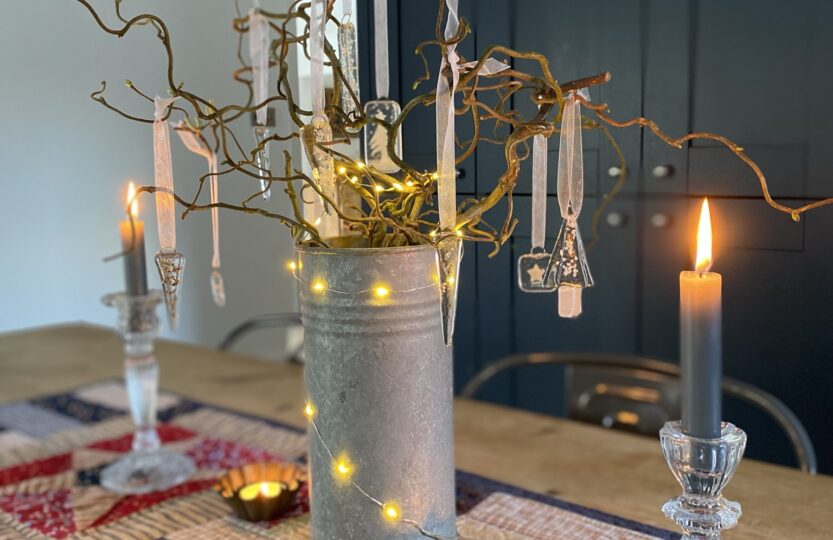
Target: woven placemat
(53, 448)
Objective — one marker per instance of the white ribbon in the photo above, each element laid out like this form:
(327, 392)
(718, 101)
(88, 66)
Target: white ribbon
(316, 31)
(259, 55)
(197, 146)
(163, 174)
(570, 161)
(380, 47)
(446, 167)
(491, 66)
(539, 191)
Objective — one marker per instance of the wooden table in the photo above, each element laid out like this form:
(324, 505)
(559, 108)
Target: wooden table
(611, 471)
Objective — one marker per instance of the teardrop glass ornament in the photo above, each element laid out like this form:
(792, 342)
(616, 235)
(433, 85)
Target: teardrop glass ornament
(171, 265)
(348, 55)
(262, 159)
(449, 257)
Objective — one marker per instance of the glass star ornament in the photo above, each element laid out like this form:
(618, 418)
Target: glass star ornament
(568, 269)
(262, 159)
(171, 265)
(532, 269)
(449, 257)
(376, 135)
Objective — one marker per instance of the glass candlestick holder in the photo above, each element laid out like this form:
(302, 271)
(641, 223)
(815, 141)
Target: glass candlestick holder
(148, 467)
(703, 467)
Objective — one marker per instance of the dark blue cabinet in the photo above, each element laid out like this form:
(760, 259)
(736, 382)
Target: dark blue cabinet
(757, 71)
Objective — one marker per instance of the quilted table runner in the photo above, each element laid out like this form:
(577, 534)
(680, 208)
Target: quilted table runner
(53, 448)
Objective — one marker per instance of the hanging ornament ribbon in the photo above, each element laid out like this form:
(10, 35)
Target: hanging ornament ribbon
(568, 269)
(169, 261)
(317, 136)
(348, 54)
(382, 108)
(198, 146)
(491, 66)
(449, 248)
(259, 57)
(532, 266)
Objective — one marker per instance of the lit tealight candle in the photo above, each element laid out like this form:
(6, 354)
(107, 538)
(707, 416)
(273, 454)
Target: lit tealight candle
(267, 490)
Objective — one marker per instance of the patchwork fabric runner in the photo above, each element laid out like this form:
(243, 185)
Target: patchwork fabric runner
(52, 450)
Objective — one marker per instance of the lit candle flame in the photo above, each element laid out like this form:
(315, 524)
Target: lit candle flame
(703, 261)
(131, 196)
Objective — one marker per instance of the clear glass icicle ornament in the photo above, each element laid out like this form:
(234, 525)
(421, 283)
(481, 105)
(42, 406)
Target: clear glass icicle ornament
(568, 269)
(262, 159)
(316, 138)
(349, 58)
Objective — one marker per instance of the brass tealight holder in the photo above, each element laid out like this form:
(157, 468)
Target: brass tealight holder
(261, 491)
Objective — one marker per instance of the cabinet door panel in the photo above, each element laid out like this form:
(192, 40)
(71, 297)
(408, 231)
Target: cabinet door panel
(666, 93)
(607, 323)
(718, 171)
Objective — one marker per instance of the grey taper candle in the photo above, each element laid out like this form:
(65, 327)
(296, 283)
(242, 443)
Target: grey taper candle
(133, 245)
(700, 352)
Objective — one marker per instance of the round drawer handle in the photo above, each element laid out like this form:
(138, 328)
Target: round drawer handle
(660, 220)
(614, 171)
(616, 219)
(461, 173)
(662, 171)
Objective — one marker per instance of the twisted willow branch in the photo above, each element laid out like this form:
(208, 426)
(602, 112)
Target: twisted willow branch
(394, 210)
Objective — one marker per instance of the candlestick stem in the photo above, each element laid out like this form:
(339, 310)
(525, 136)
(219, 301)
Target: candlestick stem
(148, 467)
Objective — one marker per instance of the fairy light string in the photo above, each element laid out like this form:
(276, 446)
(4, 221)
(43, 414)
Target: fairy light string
(343, 471)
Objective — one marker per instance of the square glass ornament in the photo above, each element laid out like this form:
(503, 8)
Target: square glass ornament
(532, 269)
(376, 135)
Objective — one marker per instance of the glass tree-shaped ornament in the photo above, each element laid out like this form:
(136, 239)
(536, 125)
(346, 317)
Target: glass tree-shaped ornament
(376, 135)
(148, 467)
(316, 138)
(349, 59)
(262, 159)
(568, 269)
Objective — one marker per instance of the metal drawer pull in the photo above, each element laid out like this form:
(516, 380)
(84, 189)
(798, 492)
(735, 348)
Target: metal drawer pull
(660, 221)
(662, 171)
(616, 219)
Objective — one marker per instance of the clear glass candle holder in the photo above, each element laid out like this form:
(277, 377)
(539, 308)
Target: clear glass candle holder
(148, 467)
(703, 467)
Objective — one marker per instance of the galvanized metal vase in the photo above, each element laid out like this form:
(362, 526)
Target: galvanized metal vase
(379, 380)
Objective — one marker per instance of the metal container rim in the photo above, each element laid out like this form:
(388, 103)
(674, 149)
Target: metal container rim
(362, 251)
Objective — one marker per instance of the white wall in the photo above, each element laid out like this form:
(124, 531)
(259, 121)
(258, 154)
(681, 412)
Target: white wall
(66, 160)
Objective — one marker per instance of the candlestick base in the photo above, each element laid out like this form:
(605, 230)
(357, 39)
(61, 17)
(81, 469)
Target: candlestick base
(148, 467)
(144, 472)
(703, 467)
